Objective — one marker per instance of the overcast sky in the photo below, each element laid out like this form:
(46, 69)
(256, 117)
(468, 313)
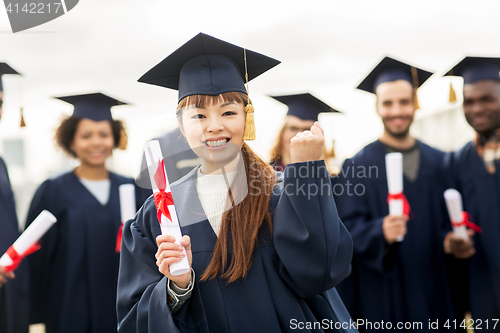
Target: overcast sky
(326, 48)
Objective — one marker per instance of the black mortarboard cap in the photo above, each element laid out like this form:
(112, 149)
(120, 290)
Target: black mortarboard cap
(389, 70)
(95, 106)
(207, 66)
(474, 69)
(304, 106)
(5, 69)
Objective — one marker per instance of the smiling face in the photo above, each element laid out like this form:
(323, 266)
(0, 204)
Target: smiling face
(482, 106)
(214, 131)
(395, 107)
(93, 142)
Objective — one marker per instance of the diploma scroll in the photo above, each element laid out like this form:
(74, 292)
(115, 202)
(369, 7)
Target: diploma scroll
(394, 170)
(169, 222)
(453, 200)
(27, 243)
(127, 209)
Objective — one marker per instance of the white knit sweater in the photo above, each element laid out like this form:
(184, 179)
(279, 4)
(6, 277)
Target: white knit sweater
(213, 194)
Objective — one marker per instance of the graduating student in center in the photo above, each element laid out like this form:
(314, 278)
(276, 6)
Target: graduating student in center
(474, 172)
(303, 111)
(396, 281)
(74, 275)
(14, 287)
(264, 257)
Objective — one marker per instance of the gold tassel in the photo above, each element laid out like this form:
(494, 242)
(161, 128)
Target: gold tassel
(249, 109)
(249, 123)
(123, 139)
(453, 95)
(23, 123)
(415, 100)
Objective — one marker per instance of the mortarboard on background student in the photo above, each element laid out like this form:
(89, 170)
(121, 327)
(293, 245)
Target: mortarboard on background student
(303, 111)
(474, 172)
(14, 294)
(74, 274)
(395, 281)
(268, 280)
(4, 70)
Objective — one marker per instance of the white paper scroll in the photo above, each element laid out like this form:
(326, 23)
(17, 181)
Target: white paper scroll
(394, 170)
(171, 228)
(453, 200)
(31, 235)
(127, 202)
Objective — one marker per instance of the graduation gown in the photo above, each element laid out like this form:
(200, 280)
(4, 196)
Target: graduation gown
(481, 198)
(402, 282)
(347, 288)
(14, 296)
(293, 274)
(74, 274)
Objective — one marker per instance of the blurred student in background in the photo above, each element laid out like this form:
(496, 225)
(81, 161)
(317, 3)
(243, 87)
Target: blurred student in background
(14, 288)
(74, 275)
(303, 111)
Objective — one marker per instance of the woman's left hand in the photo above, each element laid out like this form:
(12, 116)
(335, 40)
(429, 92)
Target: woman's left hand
(308, 145)
(5, 276)
(169, 253)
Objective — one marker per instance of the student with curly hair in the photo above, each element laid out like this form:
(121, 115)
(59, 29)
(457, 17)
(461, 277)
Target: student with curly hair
(74, 274)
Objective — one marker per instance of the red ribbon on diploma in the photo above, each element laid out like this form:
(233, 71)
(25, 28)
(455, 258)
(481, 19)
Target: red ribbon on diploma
(17, 258)
(466, 221)
(119, 239)
(406, 204)
(162, 198)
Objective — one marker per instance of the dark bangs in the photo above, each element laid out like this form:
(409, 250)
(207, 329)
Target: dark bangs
(207, 100)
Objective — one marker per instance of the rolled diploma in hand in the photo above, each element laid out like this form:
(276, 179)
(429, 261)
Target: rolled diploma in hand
(453, 200)
(171, 228)
(127, 209)
(394, 170)
(30, 236)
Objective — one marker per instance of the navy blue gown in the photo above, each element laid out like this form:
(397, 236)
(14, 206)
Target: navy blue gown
(14, 296)
(481, 196)
(402, 282)
(291, 281)
(74, 275)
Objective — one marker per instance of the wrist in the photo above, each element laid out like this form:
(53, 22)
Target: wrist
(181, 285)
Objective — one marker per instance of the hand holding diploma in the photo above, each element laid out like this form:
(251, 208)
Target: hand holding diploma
(459, 247)
(167, 215)
(459, 242)
(4, 276)
(394, 228)
(169, 253)
(27, 243)
(394, 225)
